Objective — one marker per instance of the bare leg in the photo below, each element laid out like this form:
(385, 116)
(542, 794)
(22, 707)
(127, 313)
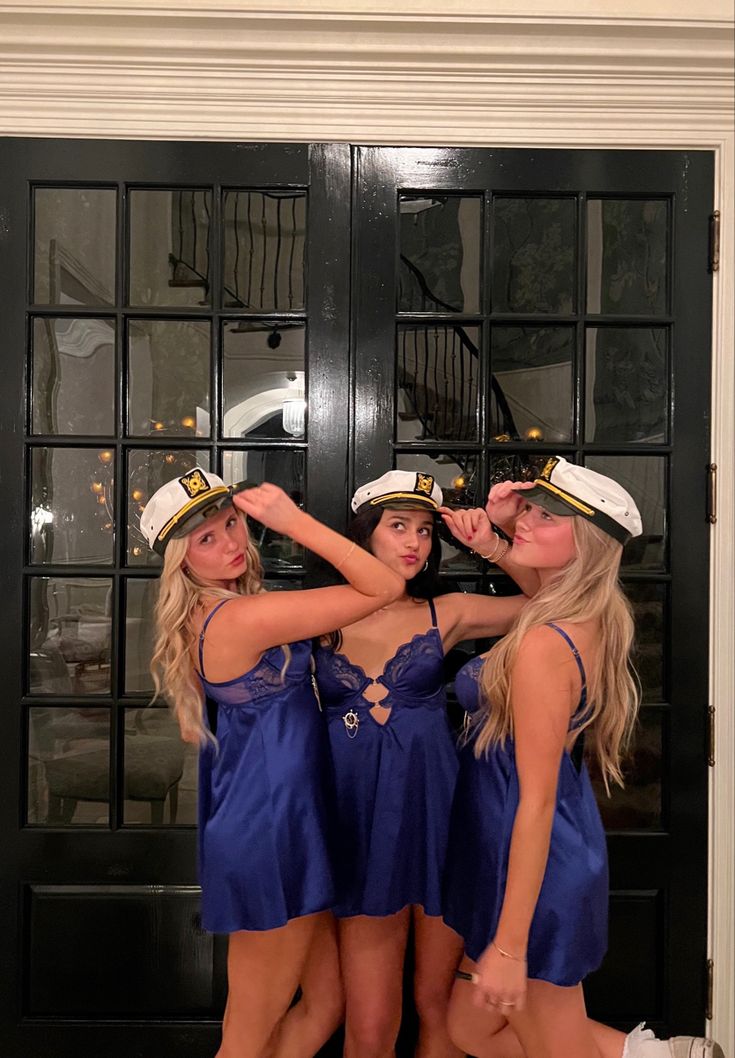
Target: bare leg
(372, 952)
(487, 1034)
(263, 971)
(554, 1023)
(310, 1023)
(438, 951)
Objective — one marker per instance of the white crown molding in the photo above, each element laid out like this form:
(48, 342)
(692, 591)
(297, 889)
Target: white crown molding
(314, 72)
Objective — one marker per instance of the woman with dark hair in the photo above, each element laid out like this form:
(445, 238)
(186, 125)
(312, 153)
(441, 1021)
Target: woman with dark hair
(381, 682)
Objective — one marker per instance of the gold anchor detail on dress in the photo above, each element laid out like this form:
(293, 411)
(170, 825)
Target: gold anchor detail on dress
(351, 721)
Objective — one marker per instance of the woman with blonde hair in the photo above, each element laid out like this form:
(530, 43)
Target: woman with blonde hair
(265, 790)
(527, 879)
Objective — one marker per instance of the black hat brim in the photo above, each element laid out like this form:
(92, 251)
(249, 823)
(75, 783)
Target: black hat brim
(199, 513)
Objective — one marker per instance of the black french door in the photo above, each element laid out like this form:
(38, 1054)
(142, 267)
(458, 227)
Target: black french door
(180, 304)
(313, 314)
(516, 304)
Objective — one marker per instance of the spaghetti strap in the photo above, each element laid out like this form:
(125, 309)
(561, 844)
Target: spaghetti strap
(432, 608)
(577, 658)
(207, 619)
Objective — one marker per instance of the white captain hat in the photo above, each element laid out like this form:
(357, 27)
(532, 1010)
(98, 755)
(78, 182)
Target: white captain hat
(565, 488)
(401, 489)
(179, 506)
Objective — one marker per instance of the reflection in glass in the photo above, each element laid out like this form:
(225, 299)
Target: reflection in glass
(140, 598)
(72, 506)
(69, 766)
(533, 367)
(510, 466)
(160, 771)
(457, 474)
(626, 256)
(70, 622)
(147, 471)
(73, 376)
(74, 246)
(534, 255)
(440, 248)
(169, 247)
(638, 806)
(627, 384)
(264, 381)
(169, 378)
(649, 610)
(437, 372)
(286, 468)
(264, 250)
(645, 479)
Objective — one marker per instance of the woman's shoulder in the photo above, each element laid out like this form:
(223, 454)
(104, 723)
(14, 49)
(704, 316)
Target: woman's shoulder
(558, 642)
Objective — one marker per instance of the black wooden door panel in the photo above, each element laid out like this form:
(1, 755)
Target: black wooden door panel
(163, 304)
(513, 304)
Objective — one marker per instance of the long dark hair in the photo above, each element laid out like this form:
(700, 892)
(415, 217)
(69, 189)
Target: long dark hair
(425, 585)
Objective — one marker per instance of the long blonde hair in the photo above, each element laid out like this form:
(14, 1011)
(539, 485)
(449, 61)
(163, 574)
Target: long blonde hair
(587, 589)
(180, 595)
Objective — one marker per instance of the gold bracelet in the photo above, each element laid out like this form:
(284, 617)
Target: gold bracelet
(491, 558)
(507, 955)
(503, 552)
(351, 548)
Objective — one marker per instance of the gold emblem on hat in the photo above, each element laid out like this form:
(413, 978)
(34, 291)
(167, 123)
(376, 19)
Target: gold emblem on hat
(424, 483)
(194, 484)
(548, 467)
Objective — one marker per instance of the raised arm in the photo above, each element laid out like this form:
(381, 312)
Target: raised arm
(274, 618)
(543, 691)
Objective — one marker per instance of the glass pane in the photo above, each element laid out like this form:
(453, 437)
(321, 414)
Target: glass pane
(69, 767)
(457, 474)
(534, 255)
(72, 506)
(533, 381)
(140, 598)
(441, 250)
(626, 256)
(437, 373)
(512, 466)
(169, 378)
(70, 622)
(264, 382)
(265, 233)
(147, 471)
(281, 466)
(160, 770)
(639, 805)
(169, 247)
(627, 384)
(73, 376)
(645, 479)
(74, 246)
(649, 608)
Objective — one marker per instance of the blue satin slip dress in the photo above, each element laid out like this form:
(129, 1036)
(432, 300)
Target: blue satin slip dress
(568, 936)
(265, 796)
(395, 781)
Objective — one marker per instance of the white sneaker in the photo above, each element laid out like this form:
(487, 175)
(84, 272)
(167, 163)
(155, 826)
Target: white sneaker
(694, 1047)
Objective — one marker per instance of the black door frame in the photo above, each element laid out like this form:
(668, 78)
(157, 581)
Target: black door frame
(336, 379)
